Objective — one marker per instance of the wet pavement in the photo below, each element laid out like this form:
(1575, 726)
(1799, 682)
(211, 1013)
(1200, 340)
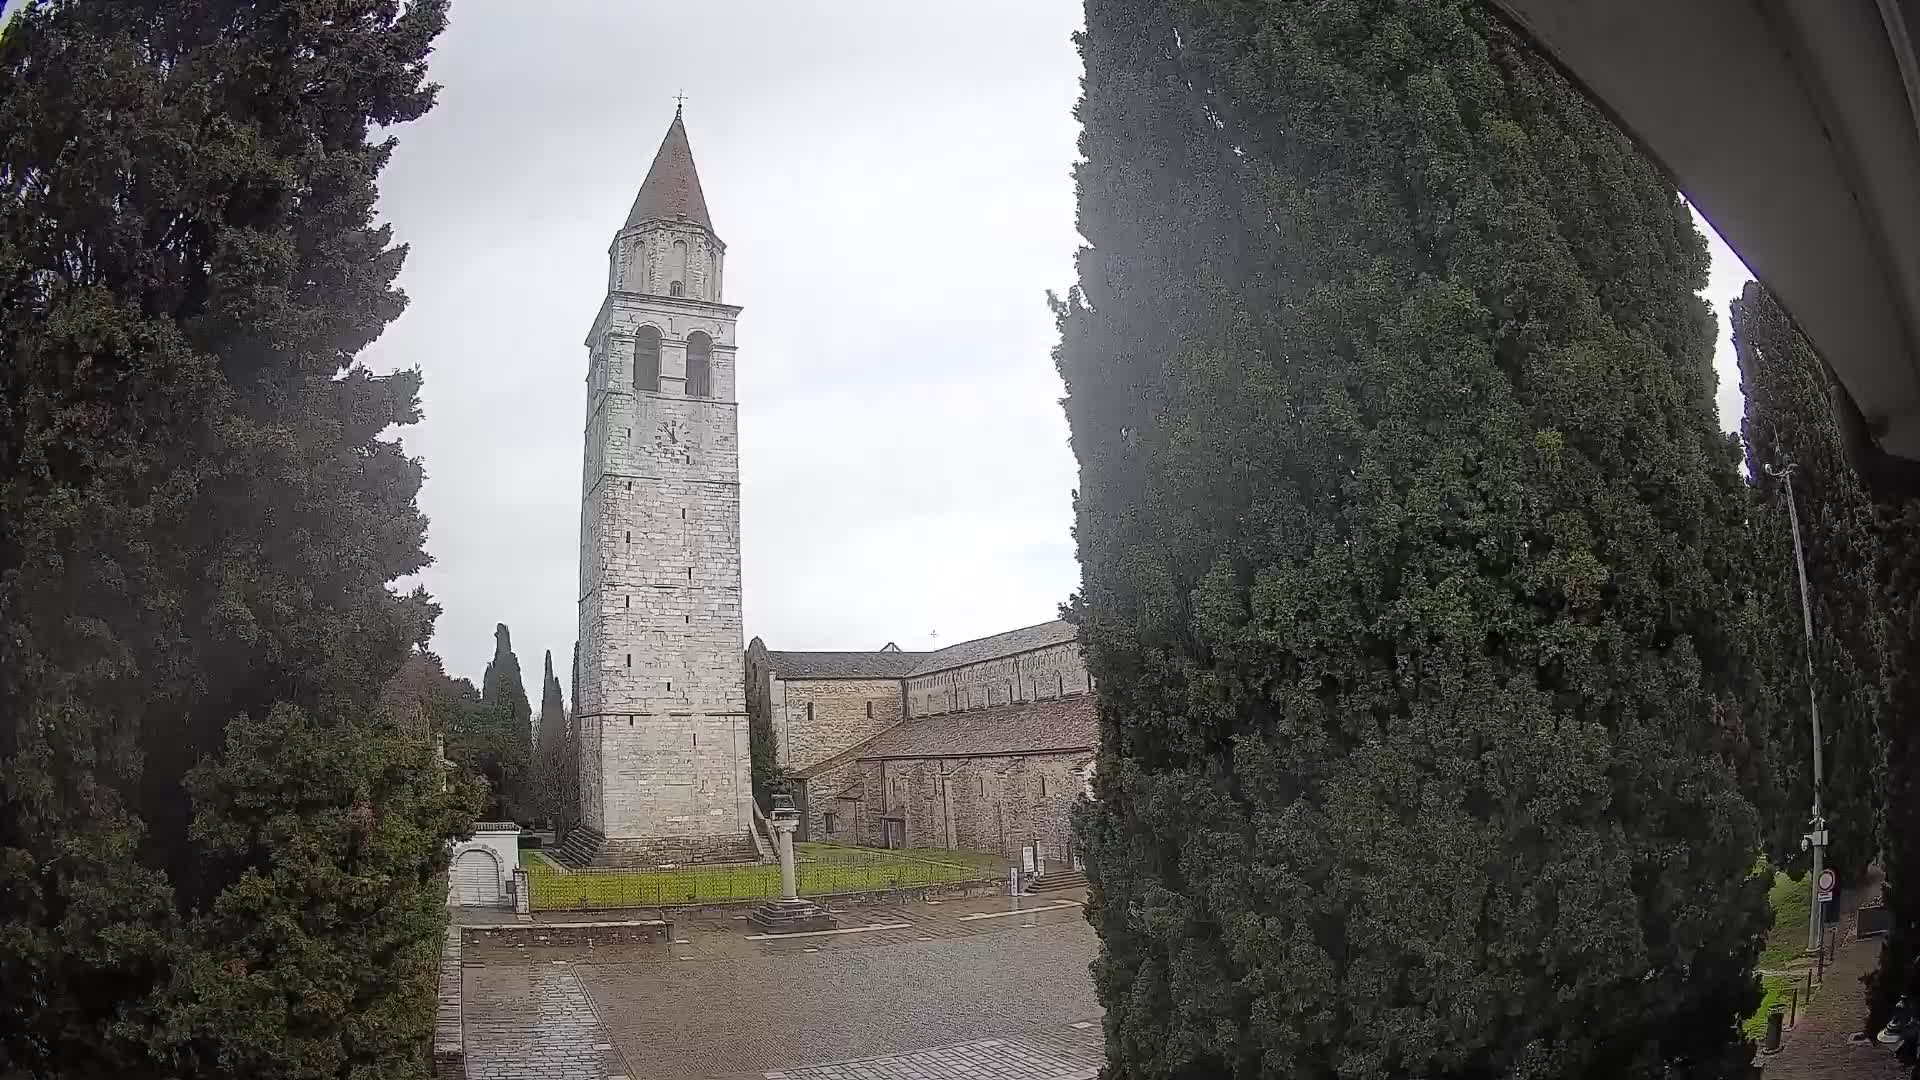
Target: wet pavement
(956, 989)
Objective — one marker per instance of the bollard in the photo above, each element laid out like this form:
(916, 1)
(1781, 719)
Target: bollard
(1771, 1045)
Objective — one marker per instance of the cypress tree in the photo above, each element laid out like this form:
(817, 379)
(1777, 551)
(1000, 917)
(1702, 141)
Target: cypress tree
(552, 744)
(493, 738)
(1408, 537)
(570, 765)
(1789, 419)
(1899, 740)
(199, 520)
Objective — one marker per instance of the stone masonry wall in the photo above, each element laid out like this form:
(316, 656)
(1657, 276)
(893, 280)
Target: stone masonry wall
(662, 692)
(818, 718)
(997, 804)
(818, 799)
(1028, 676)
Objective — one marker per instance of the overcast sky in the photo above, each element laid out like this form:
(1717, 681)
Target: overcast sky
(892, 182)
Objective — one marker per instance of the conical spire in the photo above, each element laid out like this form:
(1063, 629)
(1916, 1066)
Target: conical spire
(672, 187)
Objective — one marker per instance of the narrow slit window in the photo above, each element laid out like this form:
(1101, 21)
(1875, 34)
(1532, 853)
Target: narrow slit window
(629, 659)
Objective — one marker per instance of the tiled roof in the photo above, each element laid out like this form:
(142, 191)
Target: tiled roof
(842, 665)
(672, 188)
(1024, 727)
(1025, 639)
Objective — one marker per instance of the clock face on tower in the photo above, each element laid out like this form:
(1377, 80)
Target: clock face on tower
(673, 441)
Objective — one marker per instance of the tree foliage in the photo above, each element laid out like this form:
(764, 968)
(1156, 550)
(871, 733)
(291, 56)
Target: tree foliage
(199, 520)
(495, 739)
(1409, 544)
(1899, 774)
(1789, 419)
(550, 751)
(570, 752)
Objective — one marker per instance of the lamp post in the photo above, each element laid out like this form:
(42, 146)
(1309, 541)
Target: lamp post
(1816, 840)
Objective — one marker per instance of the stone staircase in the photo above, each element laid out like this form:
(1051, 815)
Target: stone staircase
(581, 847)
(584, 848)
(1059, 879)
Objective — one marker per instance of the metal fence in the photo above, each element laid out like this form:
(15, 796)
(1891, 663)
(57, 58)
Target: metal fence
(821, 870)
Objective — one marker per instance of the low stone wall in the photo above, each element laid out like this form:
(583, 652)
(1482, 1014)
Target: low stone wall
(449, 1036)
(610, 932)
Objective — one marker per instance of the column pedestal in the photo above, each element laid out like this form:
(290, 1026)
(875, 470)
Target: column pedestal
(791, 914)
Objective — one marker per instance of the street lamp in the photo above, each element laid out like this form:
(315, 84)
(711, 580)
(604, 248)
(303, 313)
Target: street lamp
(1815, 841)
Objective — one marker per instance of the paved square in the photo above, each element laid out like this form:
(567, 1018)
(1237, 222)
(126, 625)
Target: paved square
(1024, 1058)
(942, 998)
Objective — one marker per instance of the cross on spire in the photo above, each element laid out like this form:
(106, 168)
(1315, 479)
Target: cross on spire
(679, 99)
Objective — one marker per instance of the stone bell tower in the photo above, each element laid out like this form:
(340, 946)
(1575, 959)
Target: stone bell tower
(662, 712)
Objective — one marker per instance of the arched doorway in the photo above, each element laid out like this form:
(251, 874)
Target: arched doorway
(476, 878)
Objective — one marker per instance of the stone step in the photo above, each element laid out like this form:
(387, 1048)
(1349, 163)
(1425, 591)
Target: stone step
(1057, 881)
(585, 848)
(581, 847)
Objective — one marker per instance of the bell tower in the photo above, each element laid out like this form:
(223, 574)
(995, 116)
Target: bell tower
(662, 716)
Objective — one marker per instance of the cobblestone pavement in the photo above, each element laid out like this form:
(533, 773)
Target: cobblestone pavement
(981, 988)
(1043, 1056)
(540, 1023)
(1821, 1045)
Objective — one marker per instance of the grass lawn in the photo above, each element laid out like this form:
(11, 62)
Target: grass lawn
(824, 869)
(1773, 988)
(1792, 903)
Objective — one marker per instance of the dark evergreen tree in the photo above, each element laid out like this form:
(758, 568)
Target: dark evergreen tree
(570, 768)
(551, 748)
(1790, 420)
(496, 740)
(1412, 553)
(502, 686)
(199, 520)
(1899, 821)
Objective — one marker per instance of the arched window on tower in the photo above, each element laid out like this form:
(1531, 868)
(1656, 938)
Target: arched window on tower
(677, 269)
(646, 360)
(699, 365)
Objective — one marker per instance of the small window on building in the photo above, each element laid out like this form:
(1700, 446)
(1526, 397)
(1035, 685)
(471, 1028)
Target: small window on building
(676, 289)
(983, 787)
(626, 601)
(1043, 787)
(833, 823)
(809, 712)
(629, 659)
(869, 710)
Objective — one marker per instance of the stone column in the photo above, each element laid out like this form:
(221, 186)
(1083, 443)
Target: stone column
(789, 914)
(784, 823)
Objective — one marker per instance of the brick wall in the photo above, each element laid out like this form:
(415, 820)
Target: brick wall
(1027, 676)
